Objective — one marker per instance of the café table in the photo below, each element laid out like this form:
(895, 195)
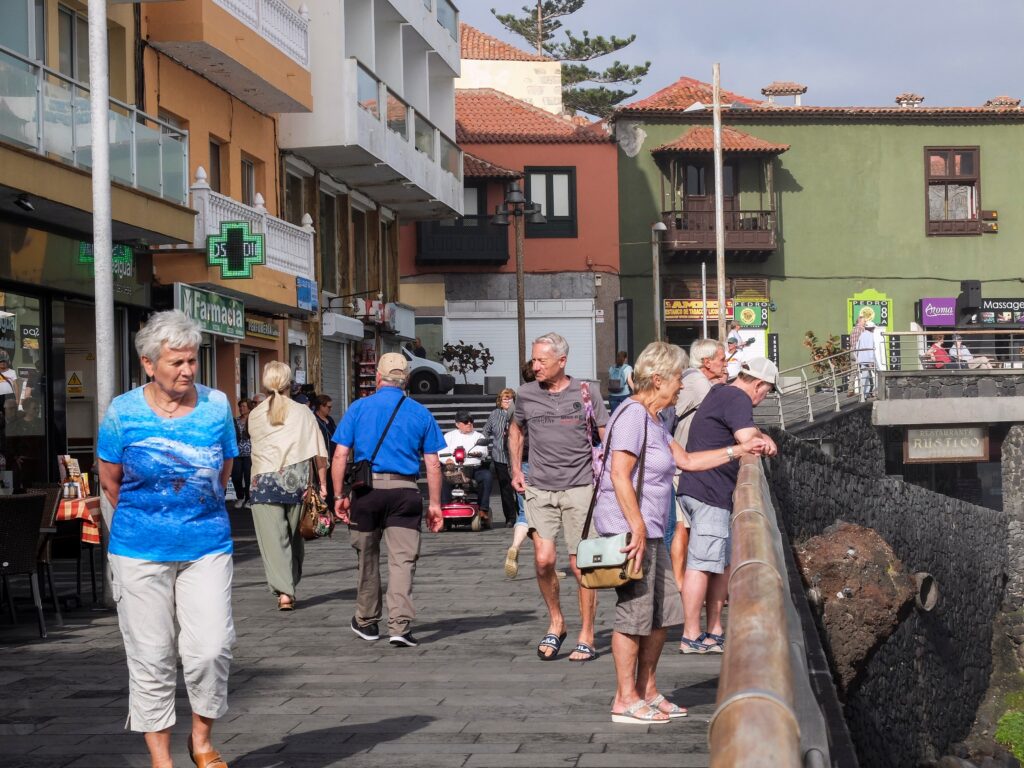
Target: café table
(88, 511)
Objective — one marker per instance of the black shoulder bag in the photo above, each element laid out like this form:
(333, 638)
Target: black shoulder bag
(359, 474)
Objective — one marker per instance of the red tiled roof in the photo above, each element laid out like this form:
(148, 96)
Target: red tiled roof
(478, 45)
(474, 167)
(1003, 101)
(701, 139)
(784, 88)
(484, 115)
(684, 93)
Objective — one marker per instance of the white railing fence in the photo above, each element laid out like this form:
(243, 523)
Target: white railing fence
(276, 21)
(289, 248)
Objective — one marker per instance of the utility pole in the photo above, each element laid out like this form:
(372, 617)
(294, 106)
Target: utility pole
(102, 240)
(719, 213)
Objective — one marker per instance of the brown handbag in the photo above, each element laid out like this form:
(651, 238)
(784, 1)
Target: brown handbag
(316, 520)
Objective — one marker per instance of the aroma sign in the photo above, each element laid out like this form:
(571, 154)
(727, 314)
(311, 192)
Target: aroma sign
(938, 312)
(945, 444)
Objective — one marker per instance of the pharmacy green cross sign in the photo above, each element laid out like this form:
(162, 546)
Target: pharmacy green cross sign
(235, 250)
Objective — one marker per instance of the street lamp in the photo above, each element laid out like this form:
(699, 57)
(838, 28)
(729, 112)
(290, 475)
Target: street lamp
(656, 229)
(517, 207)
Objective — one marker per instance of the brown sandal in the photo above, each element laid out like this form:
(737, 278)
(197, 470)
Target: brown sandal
(285, 603)
(211, 759)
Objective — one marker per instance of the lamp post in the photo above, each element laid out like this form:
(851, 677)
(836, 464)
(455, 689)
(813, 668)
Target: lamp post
(520, 211)
(656, 229)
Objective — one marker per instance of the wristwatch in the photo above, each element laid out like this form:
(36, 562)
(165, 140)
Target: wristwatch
(730, 453)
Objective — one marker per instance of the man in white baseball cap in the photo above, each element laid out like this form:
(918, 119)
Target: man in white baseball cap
(725, 417)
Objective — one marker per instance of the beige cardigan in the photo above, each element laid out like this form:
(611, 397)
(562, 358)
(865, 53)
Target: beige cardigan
(274, 448)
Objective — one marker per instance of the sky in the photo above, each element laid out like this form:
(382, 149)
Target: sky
(864, 52)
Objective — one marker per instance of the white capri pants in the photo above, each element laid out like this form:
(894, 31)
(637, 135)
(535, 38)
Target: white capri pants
(149, 597)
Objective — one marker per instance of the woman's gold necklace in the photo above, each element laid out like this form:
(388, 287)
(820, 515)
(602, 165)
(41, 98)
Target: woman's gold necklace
(169, 411)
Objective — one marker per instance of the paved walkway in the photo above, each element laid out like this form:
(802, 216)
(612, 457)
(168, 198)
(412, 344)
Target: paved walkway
(307, 693)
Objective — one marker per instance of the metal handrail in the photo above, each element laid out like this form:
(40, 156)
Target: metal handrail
(805, 392)
(755, 721)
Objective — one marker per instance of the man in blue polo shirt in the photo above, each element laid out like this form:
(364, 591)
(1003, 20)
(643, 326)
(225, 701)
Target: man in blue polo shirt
(394, 508)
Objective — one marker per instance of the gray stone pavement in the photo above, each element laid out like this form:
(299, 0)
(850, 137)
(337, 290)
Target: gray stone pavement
(307, 693)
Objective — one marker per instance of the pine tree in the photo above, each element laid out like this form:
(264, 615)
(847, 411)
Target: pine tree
(538, 26)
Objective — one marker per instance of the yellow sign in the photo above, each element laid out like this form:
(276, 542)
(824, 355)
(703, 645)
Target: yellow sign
(693, 310)
(75, 387)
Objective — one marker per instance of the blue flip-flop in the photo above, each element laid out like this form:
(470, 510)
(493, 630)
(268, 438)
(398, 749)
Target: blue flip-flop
(550, 640)
(587, 649)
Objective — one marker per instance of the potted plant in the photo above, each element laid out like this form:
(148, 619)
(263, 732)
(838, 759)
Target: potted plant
(820, 350)
(464, 358)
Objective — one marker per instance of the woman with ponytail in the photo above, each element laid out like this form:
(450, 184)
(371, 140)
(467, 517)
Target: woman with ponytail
(287, 446)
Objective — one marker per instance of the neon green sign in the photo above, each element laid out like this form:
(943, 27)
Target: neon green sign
(235, 250)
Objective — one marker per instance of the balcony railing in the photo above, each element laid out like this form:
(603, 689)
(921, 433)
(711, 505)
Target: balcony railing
(371, 92)
(469, 240)
(289, 248)
(744, 230)
(45, 111)
(277, 22)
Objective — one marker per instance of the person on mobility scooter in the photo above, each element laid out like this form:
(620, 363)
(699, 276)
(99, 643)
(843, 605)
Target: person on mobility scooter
(474, 465)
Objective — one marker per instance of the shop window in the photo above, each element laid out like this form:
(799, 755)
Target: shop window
(73, 42)
(23, 393)
(328, 231)
(248, 181)
(554, 189)
(953, 190)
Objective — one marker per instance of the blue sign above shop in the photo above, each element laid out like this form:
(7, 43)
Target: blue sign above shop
(306, 294)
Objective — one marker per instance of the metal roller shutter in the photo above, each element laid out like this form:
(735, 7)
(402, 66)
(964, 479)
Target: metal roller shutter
(333, 374)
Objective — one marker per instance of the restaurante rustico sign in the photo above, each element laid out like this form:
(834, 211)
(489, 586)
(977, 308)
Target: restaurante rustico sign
(928, 445)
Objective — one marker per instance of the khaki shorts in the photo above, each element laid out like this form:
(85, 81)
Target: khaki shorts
(653, 602)
(547, 512)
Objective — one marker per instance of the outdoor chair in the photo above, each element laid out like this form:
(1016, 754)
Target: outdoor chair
(66, 544)
(19, 547)
(53, 493)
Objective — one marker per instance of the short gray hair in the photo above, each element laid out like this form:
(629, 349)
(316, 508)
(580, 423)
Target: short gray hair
(702, 349)
(173, 328)
(556, 342)
(658, 358)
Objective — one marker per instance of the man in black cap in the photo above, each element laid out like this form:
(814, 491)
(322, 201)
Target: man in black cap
(465, 436)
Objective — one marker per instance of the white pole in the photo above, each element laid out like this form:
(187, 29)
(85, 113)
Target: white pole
(719, 214)
(704, 296)
(102, 245)
(656, 273)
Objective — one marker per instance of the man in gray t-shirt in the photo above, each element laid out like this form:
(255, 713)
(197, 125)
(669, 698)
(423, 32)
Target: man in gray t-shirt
(554, 411)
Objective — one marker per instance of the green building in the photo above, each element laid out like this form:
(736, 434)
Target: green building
(827, 209)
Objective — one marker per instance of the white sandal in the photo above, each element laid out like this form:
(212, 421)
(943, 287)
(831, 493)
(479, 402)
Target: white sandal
(674, 711)
(631, 715)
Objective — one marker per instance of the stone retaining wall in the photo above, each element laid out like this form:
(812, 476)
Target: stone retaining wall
(916, 385)
(921, 687)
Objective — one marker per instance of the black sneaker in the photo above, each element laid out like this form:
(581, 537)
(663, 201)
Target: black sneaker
(369, 632)
(404, 641)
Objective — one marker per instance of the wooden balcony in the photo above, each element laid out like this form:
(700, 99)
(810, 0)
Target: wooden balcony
(471, 240)
(749, 235)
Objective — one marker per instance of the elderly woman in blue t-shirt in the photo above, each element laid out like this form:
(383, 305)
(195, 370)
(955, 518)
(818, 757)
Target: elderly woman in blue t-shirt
(165, 452)
(646, 607)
